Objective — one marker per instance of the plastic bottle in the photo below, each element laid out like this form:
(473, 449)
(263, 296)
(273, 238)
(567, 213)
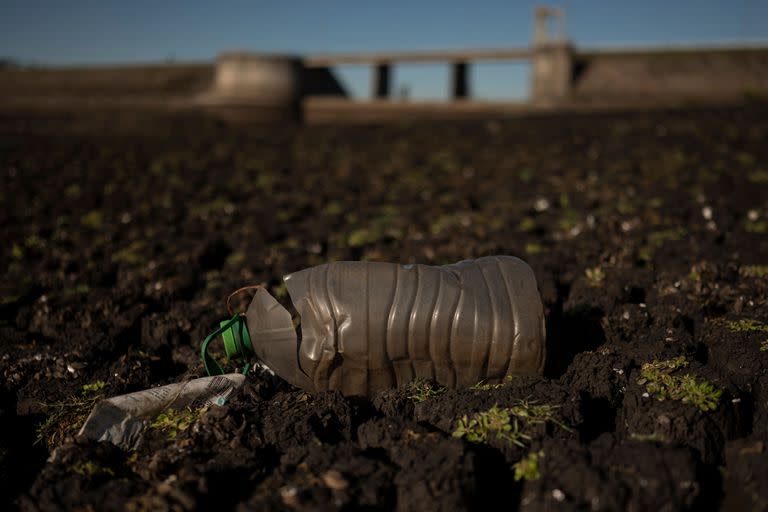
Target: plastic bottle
(368, 326)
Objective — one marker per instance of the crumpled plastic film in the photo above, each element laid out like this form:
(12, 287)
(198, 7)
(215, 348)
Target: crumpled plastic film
(123, 419)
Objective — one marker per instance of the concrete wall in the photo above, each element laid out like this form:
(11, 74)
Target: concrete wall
(141, 80)
(552, 65)
(562, 77)
(695, 74)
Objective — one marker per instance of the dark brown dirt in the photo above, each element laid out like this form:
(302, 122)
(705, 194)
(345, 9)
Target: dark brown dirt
(648, 234)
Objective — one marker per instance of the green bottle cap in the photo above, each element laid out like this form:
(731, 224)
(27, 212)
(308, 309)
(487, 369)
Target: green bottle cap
(237, 341)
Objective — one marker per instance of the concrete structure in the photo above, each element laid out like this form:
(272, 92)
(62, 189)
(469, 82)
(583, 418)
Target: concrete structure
(253, 85)
(270, 83)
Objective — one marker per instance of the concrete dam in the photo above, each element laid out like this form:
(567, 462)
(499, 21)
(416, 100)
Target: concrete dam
(268, 86)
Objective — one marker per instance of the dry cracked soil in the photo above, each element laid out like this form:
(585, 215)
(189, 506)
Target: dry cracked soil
(647, 231)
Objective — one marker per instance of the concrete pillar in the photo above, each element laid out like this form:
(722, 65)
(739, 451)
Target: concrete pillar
(381, 80)
(552, 74)
(257, 85)
(460, 82)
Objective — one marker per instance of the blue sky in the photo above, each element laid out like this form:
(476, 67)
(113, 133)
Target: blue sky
(63, 32)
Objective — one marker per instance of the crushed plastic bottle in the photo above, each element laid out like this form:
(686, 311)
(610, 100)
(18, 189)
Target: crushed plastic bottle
(368, 326)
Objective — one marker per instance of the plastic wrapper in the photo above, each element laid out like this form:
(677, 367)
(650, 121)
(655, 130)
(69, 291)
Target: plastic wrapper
(123, 419)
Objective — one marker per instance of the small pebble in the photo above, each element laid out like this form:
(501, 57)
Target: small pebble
(541, 204)
(333, 479)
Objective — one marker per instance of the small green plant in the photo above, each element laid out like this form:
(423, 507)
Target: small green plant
(527, 468)
(483, 386)
(527, 224)
(746, 325)
(94, 387)
(756, 226)
(174, 421)
(421, 390)
(754, 270)
(760, 176)
(67, 416)
(764, 346)
(534, 248)
(595, 276)
(657, 238)
(93, 219)
(90, 469)
(653, 438)
(534, 413)
(660, 383)
(132, 254)
(495, 422)
(507, 424)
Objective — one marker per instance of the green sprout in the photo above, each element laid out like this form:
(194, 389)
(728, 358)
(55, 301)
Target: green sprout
(421, 390)
(534, 248)
(595, 276)
(90, 469)
(483, 386)
(527, 468)
(660, 383)
(746, 325)
(174, 421)
(754, 270)
(94, 386)
(653, 438)
(494, 422)
(67, 416)
(534, 413)
(507, 423)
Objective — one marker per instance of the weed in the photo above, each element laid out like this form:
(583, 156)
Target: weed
(420, 391)
(132, 254)
(527, 468)
(534, 413)
(760, 176)
(66, 417)
(80, 289)
(746, 325)
(214, 206)
(527, 225)
(236, 258)
(494, 422)
(507, 423)
(754, 270)
(764, 346)
(482, 386)
(653, 438)
(660, 383)
(756, 226)
(595, 276)
(333, 208)
(174, 421)
(93, 219)
(534, 248)
(89, 469)
(94, 387)
(525, 175)
(657, 238)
